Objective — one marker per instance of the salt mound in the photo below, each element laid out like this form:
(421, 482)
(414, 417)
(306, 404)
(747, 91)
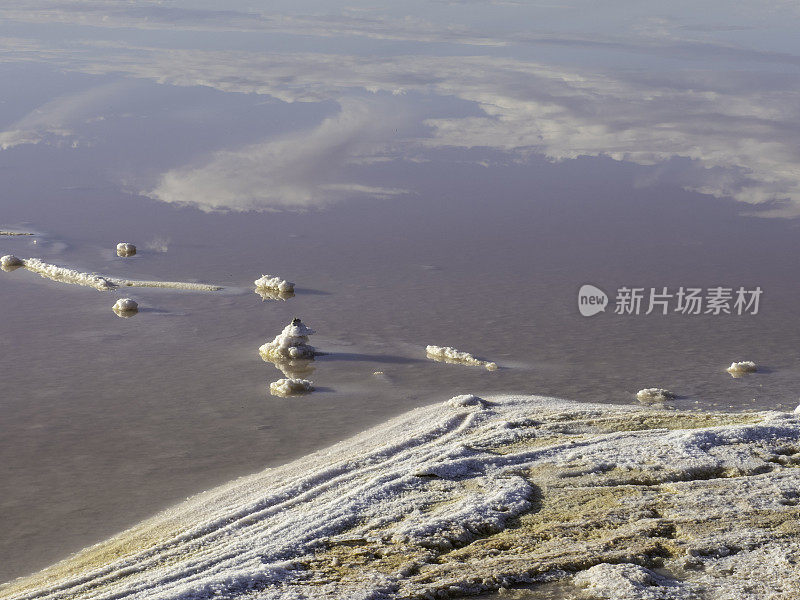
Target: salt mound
(125, 307)
(274, 283)
(466, 400)
(10, 262)
(291, 387)
(737, 369)
(125, 249)
(453, 356)
(654, 396)
(289, 344)
(420, 507)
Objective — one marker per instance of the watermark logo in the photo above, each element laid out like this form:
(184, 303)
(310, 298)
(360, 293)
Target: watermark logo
(591, 300)
(683, 300)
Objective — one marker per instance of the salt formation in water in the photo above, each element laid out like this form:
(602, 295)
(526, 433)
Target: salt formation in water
(737, 369)
(125, 249)
(290, 344)
(272, 294)
(624, 502)
(15, 233)
(274, 283)
(291, 387)
(654, 396)
(453, 356)
(10, 262)
(125, 307)
(100, 282)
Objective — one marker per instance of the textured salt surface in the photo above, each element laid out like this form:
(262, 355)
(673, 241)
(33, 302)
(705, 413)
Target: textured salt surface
(453, 356)
(291, 387)
(474, 494)
(654, 396)
(101, 282)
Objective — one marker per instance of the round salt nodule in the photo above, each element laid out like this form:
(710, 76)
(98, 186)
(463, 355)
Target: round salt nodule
(126, 305)
(125, 249)
(9, 261)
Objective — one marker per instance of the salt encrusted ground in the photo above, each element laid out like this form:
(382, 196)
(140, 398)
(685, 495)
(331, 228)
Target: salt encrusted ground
(470, 495)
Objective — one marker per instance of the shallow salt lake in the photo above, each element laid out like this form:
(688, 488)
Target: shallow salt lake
(409, 204)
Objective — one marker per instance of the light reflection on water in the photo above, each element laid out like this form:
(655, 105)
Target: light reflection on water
(440, 223)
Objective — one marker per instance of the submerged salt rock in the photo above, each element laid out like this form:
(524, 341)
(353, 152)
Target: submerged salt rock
(125, 249)
(737, 369)
(466, 400)
(274, 283)
(290, 344)
(291, 387)
(654, 396)
(453, 356)
(10, 262)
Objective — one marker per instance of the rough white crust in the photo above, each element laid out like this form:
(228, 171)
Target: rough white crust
(418, 507)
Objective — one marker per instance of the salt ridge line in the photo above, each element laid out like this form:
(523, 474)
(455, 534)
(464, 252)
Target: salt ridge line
(102, 282)
(448, 480)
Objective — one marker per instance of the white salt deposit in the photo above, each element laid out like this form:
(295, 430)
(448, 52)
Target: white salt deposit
(453, 356)
(125, 249)
(654, 396)
(291, 387)
(737, 369)
(418, 508)
(15, 233)
(274, 283)
(101, 282)
(9, 261)
(289, 344)
(125, 305)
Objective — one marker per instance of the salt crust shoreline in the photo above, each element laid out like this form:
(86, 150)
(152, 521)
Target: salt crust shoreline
(474, 494)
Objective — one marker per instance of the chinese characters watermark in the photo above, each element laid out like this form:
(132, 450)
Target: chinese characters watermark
(682, 300)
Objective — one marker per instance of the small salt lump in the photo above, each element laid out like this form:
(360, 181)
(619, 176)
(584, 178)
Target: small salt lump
(291, 387)
(274, 283)
(290, 344)
(737, 369)
(457, 357)
(125, 249)
(10, 262)
(125, 307)
(466, 400)
(654, 396)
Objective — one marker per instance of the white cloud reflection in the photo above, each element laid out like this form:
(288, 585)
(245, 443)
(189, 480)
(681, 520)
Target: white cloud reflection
(718, 129)
(298, 171)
